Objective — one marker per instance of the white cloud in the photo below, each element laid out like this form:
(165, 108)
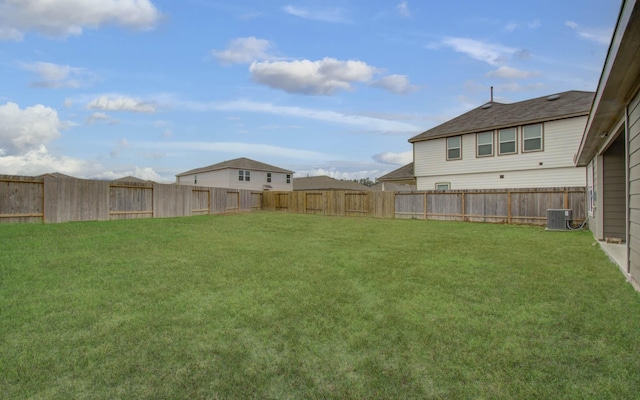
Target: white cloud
(398, 84)
(322, 77)
(100, 116)
(250, 149)
(61, 18)
(371, 124)
(121, 103)
(335, 15)
(511, 73)
(403, 9)
(244, 51)
(38, 161)
(403, 158)
(56, 76)
(493, 54)
(336, 173)
(26, 129)
(597, 35)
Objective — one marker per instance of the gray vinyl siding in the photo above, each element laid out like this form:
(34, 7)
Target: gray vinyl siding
(613, 198)
(634, 186)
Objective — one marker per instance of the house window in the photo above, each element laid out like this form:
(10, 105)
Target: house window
(484, 142)
(244, 175)
(454, 148)
(268, 177)
(443, 186)
(507, 141)
(532, 138)
(288, 178)
(195, 179)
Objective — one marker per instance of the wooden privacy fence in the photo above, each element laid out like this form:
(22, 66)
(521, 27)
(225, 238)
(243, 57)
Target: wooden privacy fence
(29, 199)
(518, 206)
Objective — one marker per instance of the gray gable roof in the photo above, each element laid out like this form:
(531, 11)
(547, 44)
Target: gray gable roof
(495, 115)
(238, 163)
(326, 183)
(403, 173)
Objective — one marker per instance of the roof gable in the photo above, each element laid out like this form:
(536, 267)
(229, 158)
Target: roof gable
(403, 173)
(495, 115)
(238, 163)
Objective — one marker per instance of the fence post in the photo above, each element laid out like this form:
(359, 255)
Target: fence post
(462, 197)
(426, 203)
(565, 199)
(508, 207)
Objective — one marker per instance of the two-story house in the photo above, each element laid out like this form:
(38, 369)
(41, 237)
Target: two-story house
(528, 144)
(240, 173)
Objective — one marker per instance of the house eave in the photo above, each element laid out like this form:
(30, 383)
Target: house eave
(618, 82)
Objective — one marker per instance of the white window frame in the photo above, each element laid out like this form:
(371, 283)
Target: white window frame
(525, 138)
(478, 144)
(501, 142)
(288, 178)
(443, 185)
(458, 147)
(244, 175)
(268, 177)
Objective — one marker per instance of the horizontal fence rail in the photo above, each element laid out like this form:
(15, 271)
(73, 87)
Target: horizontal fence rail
(50, 200)
(517, 206)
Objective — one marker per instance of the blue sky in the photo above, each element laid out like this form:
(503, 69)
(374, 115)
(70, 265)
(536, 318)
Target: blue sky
(151, 88)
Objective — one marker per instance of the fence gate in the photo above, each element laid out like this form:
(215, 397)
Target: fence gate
(233, 201)
(313, 203)
(356, 204)
(282, 201)
(200, 201)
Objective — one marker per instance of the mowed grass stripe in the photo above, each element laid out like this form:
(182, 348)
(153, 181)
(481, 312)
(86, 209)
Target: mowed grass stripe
(274, 305)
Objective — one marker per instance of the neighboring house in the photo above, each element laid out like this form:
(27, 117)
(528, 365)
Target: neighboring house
(131, 179)
(528, 144)
(399, 180)
(240, 173)
(326, 183)
(56, 175)
(610, 146)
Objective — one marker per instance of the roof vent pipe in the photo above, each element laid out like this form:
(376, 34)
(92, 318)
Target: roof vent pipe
(492, 94)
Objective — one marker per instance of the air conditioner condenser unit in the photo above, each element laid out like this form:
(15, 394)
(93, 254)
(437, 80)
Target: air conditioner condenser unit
(559, 219)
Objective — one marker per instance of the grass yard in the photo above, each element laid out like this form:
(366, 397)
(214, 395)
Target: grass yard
(273, 305)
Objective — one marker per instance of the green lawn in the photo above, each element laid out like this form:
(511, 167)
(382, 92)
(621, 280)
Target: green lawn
(273, 305)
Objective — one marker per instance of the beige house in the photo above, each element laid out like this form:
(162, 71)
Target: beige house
(528, 144)
(610, 146)
(240, 173)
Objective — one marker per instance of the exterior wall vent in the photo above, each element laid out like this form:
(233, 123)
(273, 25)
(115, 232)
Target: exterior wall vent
(559, 219)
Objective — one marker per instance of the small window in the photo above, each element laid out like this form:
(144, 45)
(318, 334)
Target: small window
(454, 148)
(268, 176)
(195, 179)
(247, 176)
(507, 141)
(443, 186)
(288, 178)
(484, 143)
(241, 175)
(532, 138)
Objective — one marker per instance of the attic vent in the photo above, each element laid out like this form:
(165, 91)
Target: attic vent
(488, 105)
(553, 97)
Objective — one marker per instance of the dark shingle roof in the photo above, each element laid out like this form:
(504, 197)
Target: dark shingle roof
(326, 183)
(403, 173)
(131, 179)
(494, 115)
(238, 163)
(55, 175)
